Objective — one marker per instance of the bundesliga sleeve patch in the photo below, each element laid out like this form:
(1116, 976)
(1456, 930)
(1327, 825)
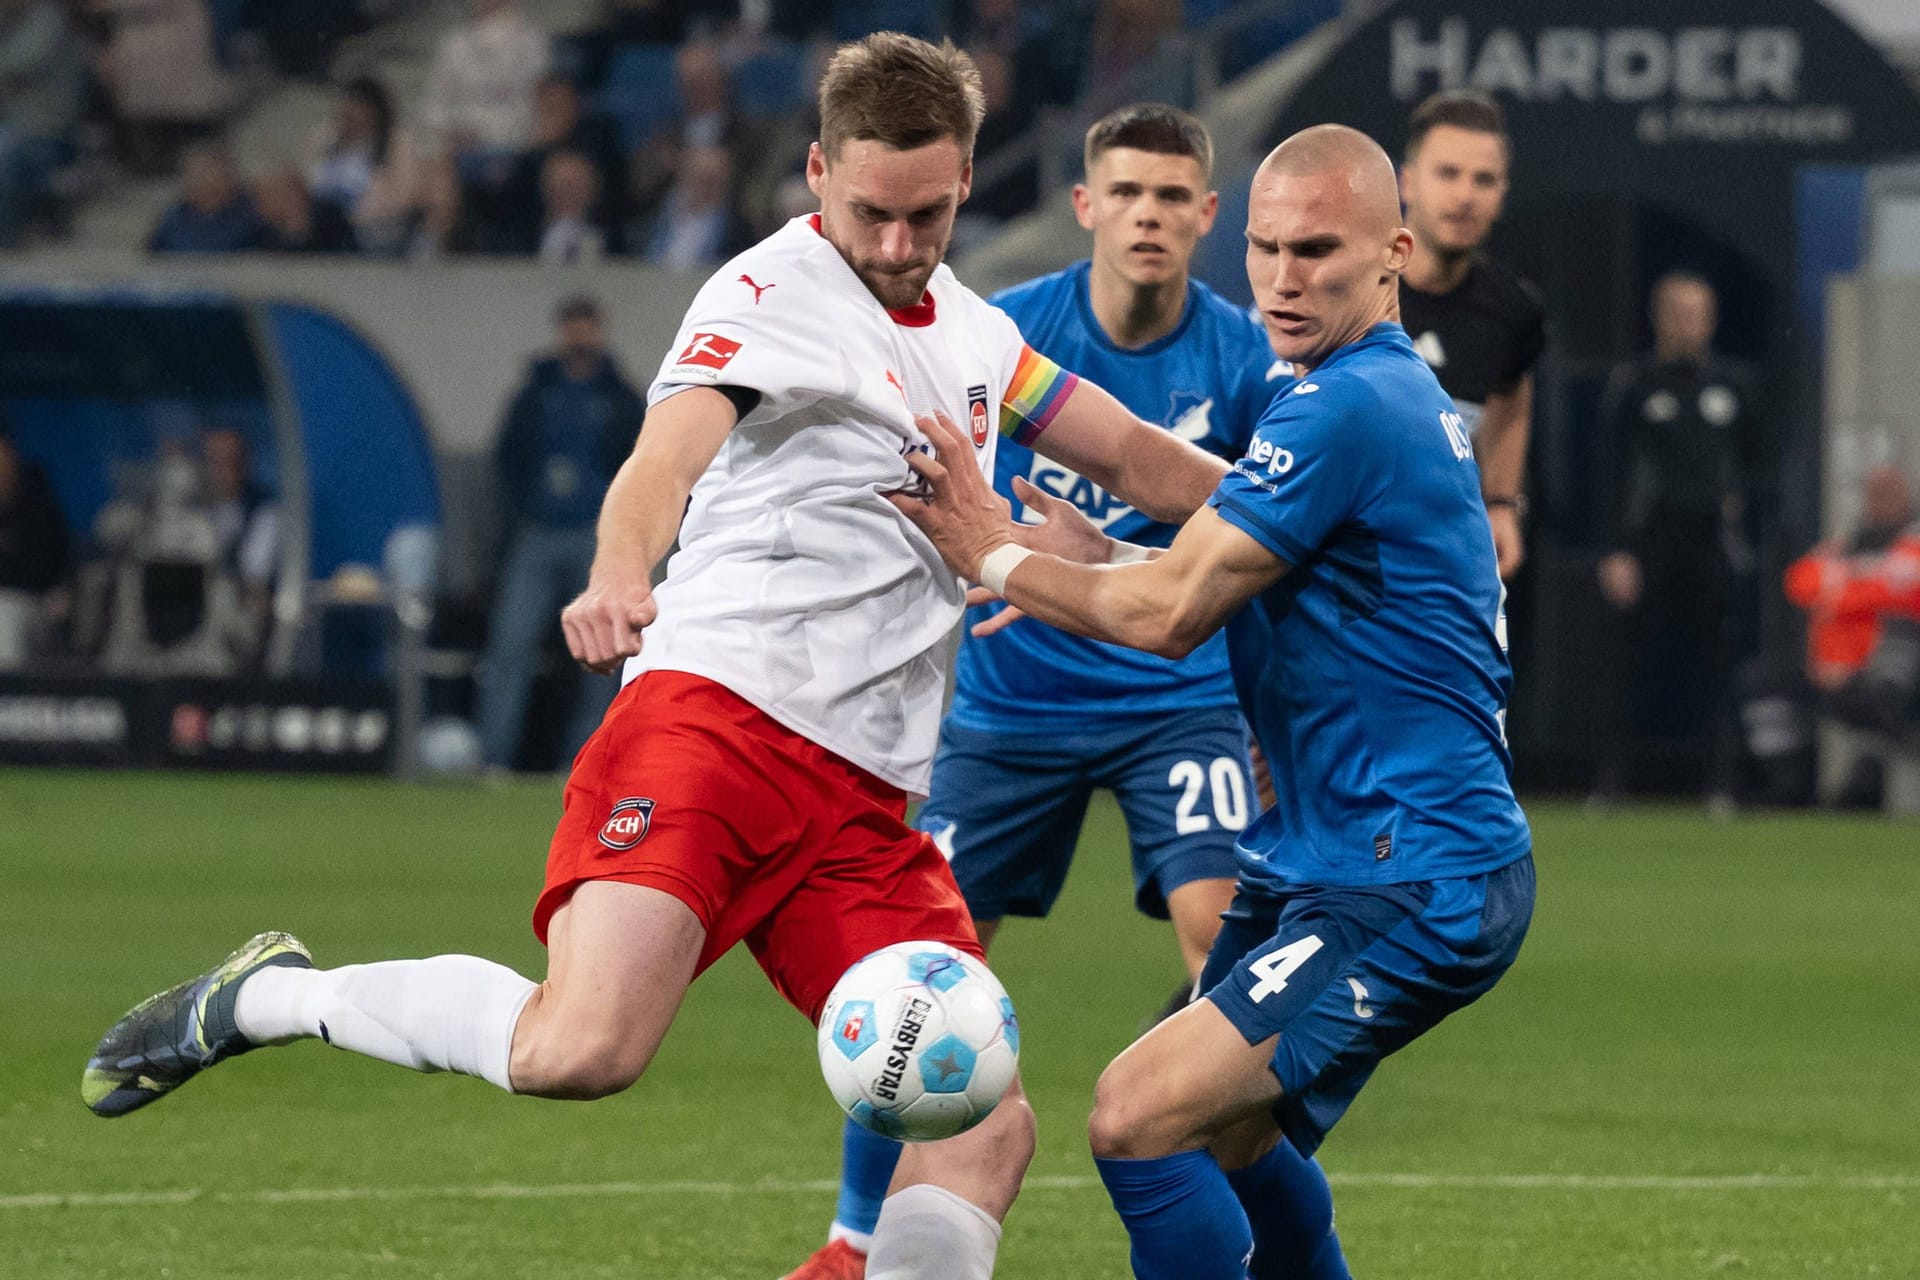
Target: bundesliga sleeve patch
(1038, 389)
(706, 355)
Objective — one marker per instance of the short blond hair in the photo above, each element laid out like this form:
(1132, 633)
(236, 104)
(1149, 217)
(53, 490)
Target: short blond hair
(900, 91)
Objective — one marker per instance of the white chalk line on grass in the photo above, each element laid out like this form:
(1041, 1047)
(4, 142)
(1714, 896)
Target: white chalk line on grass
(1041, 1182)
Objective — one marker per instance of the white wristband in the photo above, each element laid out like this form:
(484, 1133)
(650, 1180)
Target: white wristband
(999, 563)
(1127, 552)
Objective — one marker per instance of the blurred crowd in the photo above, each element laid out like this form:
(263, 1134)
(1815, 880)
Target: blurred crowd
(672, 130)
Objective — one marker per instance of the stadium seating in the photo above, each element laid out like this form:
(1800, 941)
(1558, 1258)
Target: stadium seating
(641, 91)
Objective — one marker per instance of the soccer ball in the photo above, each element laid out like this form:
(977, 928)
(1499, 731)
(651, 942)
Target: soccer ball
(918, 1041)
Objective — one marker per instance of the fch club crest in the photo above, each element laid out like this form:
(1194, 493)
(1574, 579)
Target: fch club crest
(627, 825)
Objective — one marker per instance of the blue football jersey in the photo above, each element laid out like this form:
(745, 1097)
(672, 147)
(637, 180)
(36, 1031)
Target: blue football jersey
(1208, 381)
(1374, 673)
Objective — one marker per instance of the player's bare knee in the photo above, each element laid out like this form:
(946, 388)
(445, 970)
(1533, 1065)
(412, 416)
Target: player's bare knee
(1125, 1124)
(579, 1068)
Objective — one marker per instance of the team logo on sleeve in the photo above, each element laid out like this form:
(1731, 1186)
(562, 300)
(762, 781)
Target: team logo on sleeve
(709, 351)
(977, 415)
(627, 825)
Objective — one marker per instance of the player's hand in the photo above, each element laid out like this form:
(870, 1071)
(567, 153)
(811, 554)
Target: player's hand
(956, 508)
(1063, 530)
(1508, 547)
(603, 623)
(1620, 579)
(997, 621)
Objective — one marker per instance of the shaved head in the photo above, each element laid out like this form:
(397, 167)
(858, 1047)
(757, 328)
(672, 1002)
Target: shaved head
(1348, 157)
(1325, 247)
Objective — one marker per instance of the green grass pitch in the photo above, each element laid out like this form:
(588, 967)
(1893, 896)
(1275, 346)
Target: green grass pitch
(1703, 1065)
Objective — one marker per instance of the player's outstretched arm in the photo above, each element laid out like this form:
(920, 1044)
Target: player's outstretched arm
(1149, 468)
(1166, 606)
(638, 522)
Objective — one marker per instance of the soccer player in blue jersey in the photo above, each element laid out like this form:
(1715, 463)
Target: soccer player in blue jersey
(1349, 558)
(1040, 717)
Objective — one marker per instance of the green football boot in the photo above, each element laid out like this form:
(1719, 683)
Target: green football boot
(167, 1039)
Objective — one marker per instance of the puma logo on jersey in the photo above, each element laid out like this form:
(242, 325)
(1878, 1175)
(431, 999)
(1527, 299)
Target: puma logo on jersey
(890, 378)
(758, 289)
(1361, 1009)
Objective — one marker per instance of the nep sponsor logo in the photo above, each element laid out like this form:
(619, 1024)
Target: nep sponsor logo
(1278, 461)
(628, 824)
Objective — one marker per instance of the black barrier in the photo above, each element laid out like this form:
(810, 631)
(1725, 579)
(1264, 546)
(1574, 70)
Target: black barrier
(303, 726)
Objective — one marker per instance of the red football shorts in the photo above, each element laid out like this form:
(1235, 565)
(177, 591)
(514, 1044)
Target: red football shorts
(769, 838)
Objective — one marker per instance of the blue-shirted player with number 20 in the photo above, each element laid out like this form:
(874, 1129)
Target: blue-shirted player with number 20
(1041, 718)
(1349, 558)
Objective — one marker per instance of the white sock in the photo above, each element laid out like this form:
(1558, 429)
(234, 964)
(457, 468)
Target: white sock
(447, 1013)
(861, 1240)
(929, 1233)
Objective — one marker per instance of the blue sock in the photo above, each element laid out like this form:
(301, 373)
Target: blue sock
(866, 1167)
(1182, 1216)
(1290, 1208)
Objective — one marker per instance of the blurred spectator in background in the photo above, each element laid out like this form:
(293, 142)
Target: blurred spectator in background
(437, 221)
(706, 118)
(631, 22)
(567, 430)
(1680, 423)
(479, 99)
(214, 214)
(697, 225)
(43, 92)
(1132, 55)
(292, 221)
(1849, 585)
(561, 122)
(301, 35)
(1862, 597)
(34, 555)
(160, 72)
(162, 593)
(246, 522)
(362, 162)
(573, 231)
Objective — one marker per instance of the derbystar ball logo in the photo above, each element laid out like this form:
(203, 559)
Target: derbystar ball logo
(627, 825)
(977, 415)
(710, 351)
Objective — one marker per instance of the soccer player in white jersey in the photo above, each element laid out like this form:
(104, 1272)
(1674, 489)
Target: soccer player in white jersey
(750, 781)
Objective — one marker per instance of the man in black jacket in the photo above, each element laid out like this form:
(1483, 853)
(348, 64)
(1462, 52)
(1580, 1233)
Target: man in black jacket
(567, 430)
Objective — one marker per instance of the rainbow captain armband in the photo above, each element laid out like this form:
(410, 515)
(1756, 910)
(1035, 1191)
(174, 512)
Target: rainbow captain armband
(1038, 389)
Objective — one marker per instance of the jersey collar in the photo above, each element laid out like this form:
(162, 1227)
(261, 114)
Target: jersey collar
(917, 316)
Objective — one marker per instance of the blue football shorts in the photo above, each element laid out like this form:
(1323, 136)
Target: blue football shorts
(1345, 976)
(1007, 808)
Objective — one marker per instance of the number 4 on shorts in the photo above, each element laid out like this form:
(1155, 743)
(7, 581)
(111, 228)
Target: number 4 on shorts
(1274, 968)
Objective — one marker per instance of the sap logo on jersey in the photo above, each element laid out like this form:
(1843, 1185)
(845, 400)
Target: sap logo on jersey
(628, 824)
(977, 414)
(1277, 460)
(708, 351)
(1095, 503)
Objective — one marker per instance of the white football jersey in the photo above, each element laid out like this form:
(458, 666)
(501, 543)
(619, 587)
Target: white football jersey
(797, 585)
